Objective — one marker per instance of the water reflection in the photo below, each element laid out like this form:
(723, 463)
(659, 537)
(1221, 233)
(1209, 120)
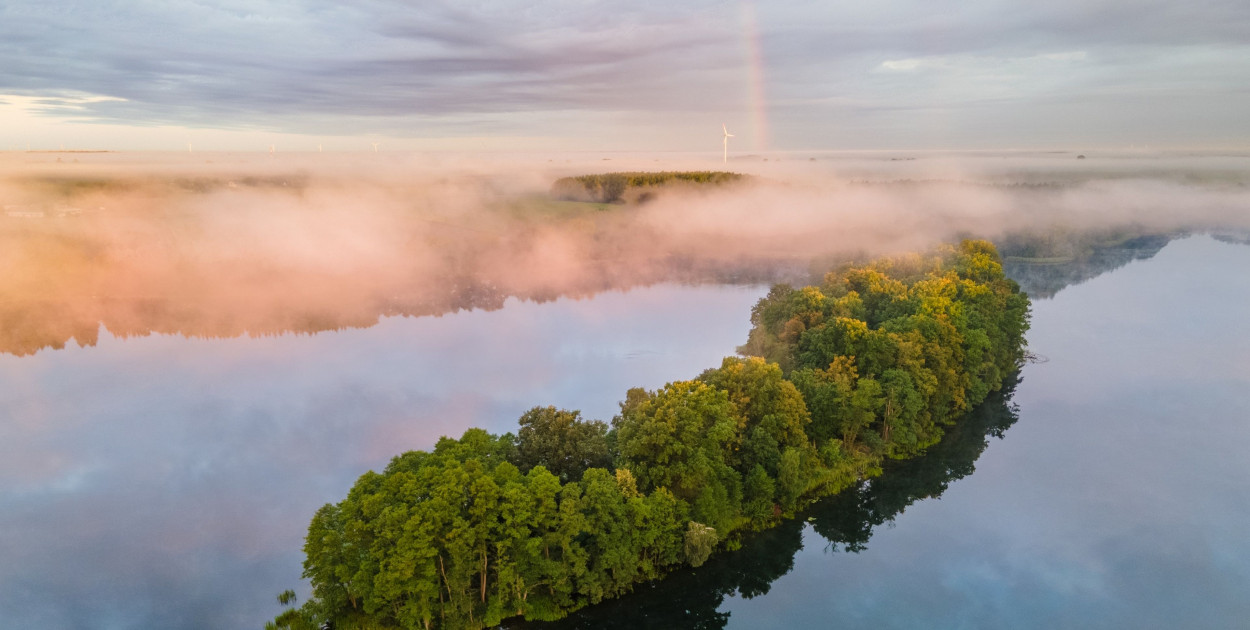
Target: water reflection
(167, 482)
(164, 481)
(228, 250)
(694, 598)
(1118, 501)
(1132, 432)
(83, 285)
(1077, 258)
(214, 253)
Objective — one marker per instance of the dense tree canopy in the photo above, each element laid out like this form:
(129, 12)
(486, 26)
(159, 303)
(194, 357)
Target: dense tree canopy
(609, 187)
(561, 442)
(871, 364)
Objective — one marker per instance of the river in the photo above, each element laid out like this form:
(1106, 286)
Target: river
(165, 482)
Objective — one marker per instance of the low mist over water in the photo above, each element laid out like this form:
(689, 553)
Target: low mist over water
(197, 351)
(258, 259)
(223, 245)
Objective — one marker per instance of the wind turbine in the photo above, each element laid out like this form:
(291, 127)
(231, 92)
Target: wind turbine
(727, 137)
(375, 146)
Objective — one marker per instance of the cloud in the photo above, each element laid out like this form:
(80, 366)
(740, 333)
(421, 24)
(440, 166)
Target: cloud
(973, 63)
(507, 67)
(386, 59)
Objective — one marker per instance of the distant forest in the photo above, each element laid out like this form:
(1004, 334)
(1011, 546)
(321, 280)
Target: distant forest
(872, 364)
(611, 187)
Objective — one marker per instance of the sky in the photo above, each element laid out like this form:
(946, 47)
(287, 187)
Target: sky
(644, 75)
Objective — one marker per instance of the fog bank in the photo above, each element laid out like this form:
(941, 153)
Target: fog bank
(235, 244)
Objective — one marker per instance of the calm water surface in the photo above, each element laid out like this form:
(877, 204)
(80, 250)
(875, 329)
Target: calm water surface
(163, 482)
(1120, 499)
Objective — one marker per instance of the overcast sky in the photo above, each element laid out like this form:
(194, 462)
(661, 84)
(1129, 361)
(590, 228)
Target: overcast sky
(636, 75)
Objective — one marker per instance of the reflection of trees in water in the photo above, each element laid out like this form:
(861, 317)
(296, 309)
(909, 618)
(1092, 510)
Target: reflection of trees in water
(1043, 263)
(214, 305)
(1232, 238)
(849, 518)
(213, 257)
(691, 598)
(1044, 274)
(28, 325)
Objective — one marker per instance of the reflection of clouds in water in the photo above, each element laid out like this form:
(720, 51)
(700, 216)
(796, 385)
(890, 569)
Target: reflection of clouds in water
(1125, 314)
(1117, 500)
(636, 354)
(187, 469)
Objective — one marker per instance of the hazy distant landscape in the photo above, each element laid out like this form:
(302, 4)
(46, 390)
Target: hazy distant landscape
(197, 244)
(703, 314)
(348, 284)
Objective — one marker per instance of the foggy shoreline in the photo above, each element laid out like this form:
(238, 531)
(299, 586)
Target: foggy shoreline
(234, 244)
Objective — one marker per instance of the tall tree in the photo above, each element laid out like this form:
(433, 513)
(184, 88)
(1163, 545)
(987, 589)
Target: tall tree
(562, 442)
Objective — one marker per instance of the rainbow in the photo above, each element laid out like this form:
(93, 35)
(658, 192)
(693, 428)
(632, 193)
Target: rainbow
(755, 75)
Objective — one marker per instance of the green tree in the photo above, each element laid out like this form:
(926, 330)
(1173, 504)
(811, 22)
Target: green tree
(759, 497)
(562, 442)
(682, 438)
(792, 479)
(772, 416)
(567, 513)
(700, 542)
(901, 429)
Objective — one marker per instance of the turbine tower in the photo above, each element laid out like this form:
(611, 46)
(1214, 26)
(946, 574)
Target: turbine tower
(375, 146)
(727, 137)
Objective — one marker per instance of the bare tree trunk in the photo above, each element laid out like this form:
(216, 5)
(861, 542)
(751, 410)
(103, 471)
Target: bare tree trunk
(483, 576)
(447, 583)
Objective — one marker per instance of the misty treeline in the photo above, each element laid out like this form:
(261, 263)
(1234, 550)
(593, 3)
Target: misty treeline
(611, 187)
(871, 364)
(241, 248)
(258, 254)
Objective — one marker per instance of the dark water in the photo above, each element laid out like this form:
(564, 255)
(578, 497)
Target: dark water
(163, 482)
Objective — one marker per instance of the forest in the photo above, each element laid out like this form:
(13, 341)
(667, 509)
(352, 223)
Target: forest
(691, 597)
(611, 187)
(871, 365)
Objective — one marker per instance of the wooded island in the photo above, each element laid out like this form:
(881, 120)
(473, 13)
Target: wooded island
(871, 364)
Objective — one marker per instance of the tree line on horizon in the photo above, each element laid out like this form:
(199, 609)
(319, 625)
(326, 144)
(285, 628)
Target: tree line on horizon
(871, 364)
(610, 187)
